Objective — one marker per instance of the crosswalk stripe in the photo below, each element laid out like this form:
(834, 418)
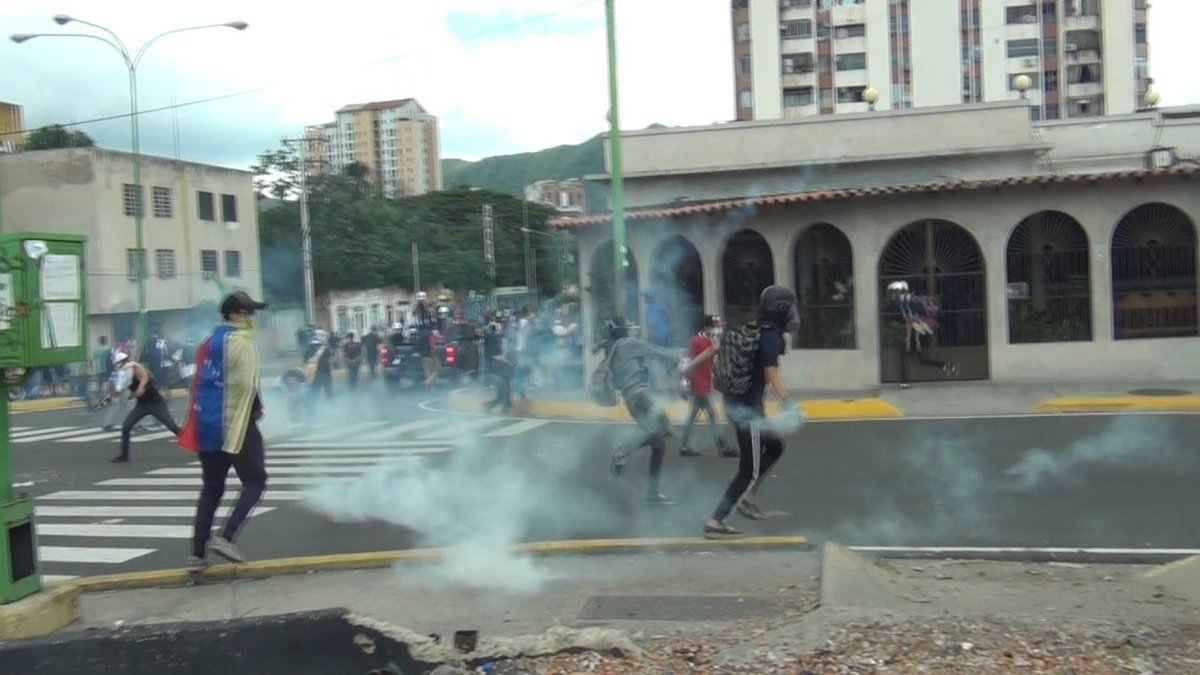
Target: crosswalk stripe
(360, 467)
(85, 554)
(99, 436)
(195, 482)
(107, 511)
(56, 578)
(461, 428)
(356, 448)
(518, 428)
(351, 431)
(397, 430)
(106, 530)
(319, 458)
(157, 495)
(142, 438)
(39, 432)
(15, 429)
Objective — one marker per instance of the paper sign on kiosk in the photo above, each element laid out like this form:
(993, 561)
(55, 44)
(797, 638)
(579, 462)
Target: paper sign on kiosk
(60, 277)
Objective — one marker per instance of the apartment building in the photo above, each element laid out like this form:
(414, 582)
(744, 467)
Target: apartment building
(200, 231)
(794, 58)
(398, 142)
(12, 127)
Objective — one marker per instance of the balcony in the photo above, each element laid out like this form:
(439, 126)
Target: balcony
(1081, 22)
(1085, 90)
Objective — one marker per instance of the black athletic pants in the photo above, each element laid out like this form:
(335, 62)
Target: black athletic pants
(250, 465)
(758, 451)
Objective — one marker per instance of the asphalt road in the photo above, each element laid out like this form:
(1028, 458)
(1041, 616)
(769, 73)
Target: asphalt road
(394, 471)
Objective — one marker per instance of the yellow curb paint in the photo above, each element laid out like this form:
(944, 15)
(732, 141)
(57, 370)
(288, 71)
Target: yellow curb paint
(1111, 403)
(40, 614)
(677, 411)
(352, 561)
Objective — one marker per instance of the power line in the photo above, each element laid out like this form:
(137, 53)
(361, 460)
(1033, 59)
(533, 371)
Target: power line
(307, 77)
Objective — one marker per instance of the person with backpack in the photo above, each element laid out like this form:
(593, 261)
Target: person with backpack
(627, 362)
(699, 373)
(746, 364)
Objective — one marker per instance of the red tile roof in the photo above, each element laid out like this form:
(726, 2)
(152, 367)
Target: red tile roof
(678, 211)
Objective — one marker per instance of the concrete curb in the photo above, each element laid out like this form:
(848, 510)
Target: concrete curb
(52, 609)
(472, 400)
(1118, 403)
(353, 561)
(69, 402)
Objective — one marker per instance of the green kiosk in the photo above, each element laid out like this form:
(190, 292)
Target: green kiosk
(43, 322)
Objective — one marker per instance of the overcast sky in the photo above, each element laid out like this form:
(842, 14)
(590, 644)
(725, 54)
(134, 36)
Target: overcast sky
(503, 76)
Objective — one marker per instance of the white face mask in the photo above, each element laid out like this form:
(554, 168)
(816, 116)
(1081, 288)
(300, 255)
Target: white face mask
(716, 332)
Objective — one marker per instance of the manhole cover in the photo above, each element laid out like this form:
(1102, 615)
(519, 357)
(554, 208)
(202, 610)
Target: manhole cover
(1160, 392)
(677, 607)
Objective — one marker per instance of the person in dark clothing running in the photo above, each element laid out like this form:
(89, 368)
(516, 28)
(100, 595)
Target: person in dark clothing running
(759, 446)
(630, 362)
(147, 401)
(370, 345)
(319, 361)
(352, 352)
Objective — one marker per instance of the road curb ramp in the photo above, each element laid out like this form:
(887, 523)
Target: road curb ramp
(1180, 578)
(852, 580)
(39, 614)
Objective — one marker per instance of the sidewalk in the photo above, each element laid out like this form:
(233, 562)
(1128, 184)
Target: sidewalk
(699, 608)
(931, 399)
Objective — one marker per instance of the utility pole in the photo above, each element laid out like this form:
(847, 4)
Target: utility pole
(310, 310)
(416, 255)
(618, 175)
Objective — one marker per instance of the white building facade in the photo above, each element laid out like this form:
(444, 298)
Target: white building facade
(795, 58)
(200, 231)
(1060, 252)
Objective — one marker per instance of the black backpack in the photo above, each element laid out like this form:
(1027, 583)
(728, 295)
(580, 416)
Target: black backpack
(733, 365)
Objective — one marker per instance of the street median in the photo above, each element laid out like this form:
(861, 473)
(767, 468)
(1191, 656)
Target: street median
(1122, 403)
(352, 561)
(574, 408)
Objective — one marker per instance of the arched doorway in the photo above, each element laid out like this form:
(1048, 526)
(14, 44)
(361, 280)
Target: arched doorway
(747, 268)
(1049, 287)
(824, 268)
(678, 284)
(1154, 274)
(940, 259)
(600, 285)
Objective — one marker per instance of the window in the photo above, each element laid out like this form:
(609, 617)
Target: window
(798, 98)
(797, 28)
(744, 65)
(795, 3)
(1052, 111)
(208, 263)
(1022, 14)
(746, 98)
(229, 209)
(131, 199)
(162, 202)
(855, 61)
(164, 262)
(208, 209)
(131, 262)
(798, 63)
(233, 264)
(1019, 48)
(853, 30)
(1139, 33)
(743, 34)
(1050, 78)
(850, 94)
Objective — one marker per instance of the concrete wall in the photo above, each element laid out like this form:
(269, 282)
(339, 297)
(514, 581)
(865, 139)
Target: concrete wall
(990, 217)
(936, 41)
(767, 64)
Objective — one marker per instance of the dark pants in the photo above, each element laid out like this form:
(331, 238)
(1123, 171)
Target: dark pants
(906, 356)
(372, 366)
(701, 403)
(251, 468)
(654, 430)
(758, 452)
(158, 410)
(502, 373)
(352, 369)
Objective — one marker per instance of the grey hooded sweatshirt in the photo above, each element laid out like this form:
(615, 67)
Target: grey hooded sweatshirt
(630, 364)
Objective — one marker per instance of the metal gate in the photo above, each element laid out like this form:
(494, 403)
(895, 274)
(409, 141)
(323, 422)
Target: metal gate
(940, 259)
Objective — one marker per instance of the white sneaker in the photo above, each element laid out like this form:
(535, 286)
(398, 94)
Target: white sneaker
(225, 548)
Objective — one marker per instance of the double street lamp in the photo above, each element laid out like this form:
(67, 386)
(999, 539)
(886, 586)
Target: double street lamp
(131, 65)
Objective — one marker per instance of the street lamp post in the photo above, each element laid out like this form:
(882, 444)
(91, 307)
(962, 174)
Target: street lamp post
(131, 65)
(615, 157)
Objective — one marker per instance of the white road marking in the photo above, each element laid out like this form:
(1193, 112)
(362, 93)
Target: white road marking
(318, 458)
(518, 428)
(461, 429)
(41, 432)
(398, 430)
(231, 491)
(277, 470)
(85, 554)
(195, 482)
(352, 431)
(122, 531)
(358, 448)
(124, 511)
(99, 436)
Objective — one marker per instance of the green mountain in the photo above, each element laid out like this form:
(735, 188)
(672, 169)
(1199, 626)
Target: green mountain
(511, 173)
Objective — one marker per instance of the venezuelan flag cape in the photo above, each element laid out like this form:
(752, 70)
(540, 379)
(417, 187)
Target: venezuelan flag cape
(223, 390)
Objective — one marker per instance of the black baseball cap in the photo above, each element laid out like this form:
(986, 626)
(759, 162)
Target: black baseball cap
(240, 301)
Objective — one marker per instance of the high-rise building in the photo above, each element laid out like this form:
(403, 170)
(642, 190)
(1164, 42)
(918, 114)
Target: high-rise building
(397, 141)
(12, 127)
(1083, 58)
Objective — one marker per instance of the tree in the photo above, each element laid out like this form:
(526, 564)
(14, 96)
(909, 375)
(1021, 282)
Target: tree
(54, 136)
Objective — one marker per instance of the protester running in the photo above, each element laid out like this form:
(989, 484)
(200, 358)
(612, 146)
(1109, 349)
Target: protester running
(147, 401)
(699, 372)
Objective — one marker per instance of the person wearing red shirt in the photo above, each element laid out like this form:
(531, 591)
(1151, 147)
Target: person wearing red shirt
(700, 352)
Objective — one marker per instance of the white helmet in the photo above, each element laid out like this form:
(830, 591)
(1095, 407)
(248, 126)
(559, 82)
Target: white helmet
(320, 336)
(898, 286)
(422, 295)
